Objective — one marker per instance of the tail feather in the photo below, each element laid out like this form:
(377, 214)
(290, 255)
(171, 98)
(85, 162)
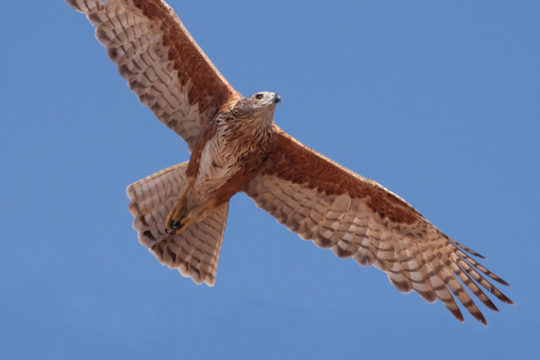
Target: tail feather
(194, 252)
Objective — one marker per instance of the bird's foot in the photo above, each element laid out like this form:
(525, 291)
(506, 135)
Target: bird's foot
(177, 227)
(176, 220)
(179, 218)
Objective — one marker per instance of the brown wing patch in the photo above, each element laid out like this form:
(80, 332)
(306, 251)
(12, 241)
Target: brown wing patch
(161, 62)
(355, 217)
(209, 88)
(290, 160)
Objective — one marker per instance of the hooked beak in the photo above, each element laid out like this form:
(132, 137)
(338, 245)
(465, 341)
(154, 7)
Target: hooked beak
(276, 99)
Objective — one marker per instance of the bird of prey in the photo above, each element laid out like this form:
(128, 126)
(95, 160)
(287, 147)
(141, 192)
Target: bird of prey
(180, 212)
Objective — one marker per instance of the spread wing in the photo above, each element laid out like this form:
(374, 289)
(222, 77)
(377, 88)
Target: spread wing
(356, 217)
(160, 60)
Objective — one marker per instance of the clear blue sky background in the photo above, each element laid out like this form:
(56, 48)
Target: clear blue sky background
(436, 100)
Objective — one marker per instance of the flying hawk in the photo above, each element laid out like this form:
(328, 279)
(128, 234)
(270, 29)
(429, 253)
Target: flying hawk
(181, 212)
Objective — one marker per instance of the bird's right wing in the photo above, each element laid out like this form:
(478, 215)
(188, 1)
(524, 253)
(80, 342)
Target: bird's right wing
(160, 60)
(322, 201)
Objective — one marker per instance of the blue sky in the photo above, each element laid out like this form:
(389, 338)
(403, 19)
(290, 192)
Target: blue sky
(436, 100)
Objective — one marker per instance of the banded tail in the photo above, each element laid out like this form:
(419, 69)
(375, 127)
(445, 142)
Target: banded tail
(194, 252)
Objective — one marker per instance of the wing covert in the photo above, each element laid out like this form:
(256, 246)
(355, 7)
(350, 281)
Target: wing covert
(161, 62)
(356, 217)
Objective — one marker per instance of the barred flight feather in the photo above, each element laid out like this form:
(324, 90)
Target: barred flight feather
(356, 217)
(160, 61)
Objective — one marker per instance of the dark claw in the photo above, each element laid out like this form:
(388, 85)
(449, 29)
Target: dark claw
(169, 231)
(173, 227)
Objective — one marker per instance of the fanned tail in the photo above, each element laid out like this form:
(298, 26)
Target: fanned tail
(194, 252)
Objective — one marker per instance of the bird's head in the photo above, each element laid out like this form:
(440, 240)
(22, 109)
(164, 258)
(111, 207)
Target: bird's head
(263, 99)
(259, 107)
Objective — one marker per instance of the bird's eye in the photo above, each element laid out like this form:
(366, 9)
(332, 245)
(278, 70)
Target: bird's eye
(259, 96)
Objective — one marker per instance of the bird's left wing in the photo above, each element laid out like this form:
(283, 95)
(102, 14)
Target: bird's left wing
(161, 62)
(356, 217)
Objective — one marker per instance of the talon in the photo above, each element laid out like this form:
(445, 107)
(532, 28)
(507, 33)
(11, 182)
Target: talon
(177, 227)
(175, 220)
(173, 227)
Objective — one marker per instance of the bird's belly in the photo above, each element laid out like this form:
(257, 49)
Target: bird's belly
(215, 169)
